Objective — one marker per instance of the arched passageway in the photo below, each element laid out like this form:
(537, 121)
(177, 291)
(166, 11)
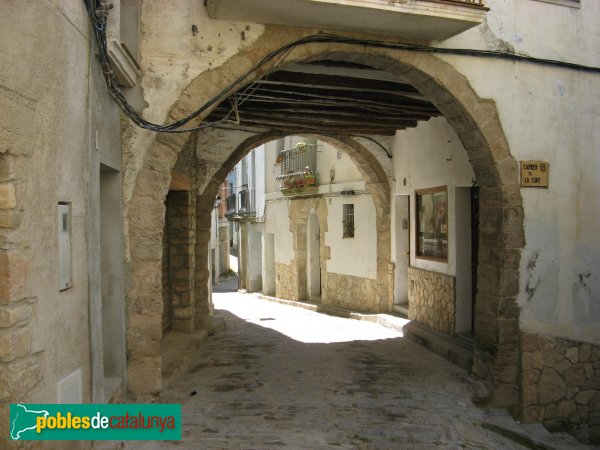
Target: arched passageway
(476, 122)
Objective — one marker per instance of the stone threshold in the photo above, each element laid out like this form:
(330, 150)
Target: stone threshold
(457, 350)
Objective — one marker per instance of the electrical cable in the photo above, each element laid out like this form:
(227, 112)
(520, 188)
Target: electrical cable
(98, 10)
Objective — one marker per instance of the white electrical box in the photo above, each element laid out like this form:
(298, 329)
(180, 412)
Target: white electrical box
(69, 388)
(64, 245)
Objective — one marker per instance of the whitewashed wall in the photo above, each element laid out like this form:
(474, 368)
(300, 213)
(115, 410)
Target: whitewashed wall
(427, 156)
(277, 221)
(352, 256)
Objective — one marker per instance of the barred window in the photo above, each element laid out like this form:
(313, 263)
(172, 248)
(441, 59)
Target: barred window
(348, 221)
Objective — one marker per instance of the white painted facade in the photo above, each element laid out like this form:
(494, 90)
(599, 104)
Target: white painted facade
(335, 173)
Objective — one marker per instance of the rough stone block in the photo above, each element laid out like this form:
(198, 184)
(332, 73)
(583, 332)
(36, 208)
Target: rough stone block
(8, 199)
(508, 330)
(9, 219)
(537, 361)
(509, 282)
(529, 342)
(13, 314)
(17, 377)
(144, 376)
(551, 387)
(184, 325)
(490, 197)
(6, 168)
(576, 376)
(14, 276)
(530, 397)
(144, 327)
(585, 352)
(14, 342)
(513, 219)
(584, 397)
(532, 414)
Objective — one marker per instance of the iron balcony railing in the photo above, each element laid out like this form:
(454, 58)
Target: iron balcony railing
(298, 166)
(241, 203)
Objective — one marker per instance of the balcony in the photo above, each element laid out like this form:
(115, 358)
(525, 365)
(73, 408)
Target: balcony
(298, 170)
(428, 20)
(241, 205)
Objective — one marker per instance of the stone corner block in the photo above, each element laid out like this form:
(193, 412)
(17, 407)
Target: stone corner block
(8, 199)
(14, 276)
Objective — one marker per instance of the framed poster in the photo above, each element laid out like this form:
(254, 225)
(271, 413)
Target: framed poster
(432, 224)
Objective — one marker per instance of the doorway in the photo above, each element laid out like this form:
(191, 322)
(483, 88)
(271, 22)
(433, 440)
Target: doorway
(402, 235)
(313, 257)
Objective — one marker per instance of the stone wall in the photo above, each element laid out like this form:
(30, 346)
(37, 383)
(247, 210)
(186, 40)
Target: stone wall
(560, 385)
(432, 299)
(286, 285)
(348, 292)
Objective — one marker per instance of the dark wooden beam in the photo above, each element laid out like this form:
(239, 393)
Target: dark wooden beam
(323, 124)
(328, 118)
(335, 98)
(377, 97)
(336, 82)
(258, 105)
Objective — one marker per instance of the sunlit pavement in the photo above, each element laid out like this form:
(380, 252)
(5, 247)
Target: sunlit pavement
(281, 376)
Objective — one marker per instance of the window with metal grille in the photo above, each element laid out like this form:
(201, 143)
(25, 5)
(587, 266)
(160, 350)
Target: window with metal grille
(348, 221)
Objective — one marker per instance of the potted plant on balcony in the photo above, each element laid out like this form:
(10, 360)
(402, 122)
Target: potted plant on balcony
(289, 182)
(300, 147)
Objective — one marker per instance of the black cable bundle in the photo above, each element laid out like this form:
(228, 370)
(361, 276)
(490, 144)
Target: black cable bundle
(98, 11)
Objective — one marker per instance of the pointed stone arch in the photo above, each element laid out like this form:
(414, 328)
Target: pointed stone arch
(477, 124)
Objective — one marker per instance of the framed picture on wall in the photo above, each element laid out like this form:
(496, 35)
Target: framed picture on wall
(432, 223)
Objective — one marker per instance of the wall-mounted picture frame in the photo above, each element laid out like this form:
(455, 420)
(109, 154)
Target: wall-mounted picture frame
(432, 223)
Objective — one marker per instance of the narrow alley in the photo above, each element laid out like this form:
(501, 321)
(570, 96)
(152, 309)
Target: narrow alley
(281, 376)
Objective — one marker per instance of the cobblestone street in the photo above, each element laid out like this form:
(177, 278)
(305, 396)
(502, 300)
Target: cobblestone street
(280, 376)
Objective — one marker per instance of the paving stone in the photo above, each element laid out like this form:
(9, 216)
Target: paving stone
(282, 376)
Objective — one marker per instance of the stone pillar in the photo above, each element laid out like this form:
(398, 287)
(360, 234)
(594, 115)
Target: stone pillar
(146, 213)
(181, 226)
(202, 290)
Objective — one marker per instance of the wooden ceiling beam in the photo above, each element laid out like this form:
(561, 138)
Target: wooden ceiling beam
(305, 128)
(379, 98)
(336, 82)
(256, 105)
(333, 99)
(322, 123)
(316, 117)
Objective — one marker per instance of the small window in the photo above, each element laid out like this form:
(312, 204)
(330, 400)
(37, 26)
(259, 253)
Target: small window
(432, 224)
(348, 221)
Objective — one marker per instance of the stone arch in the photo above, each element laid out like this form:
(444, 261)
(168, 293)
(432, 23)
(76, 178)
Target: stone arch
(477, 124)
(377, 184)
